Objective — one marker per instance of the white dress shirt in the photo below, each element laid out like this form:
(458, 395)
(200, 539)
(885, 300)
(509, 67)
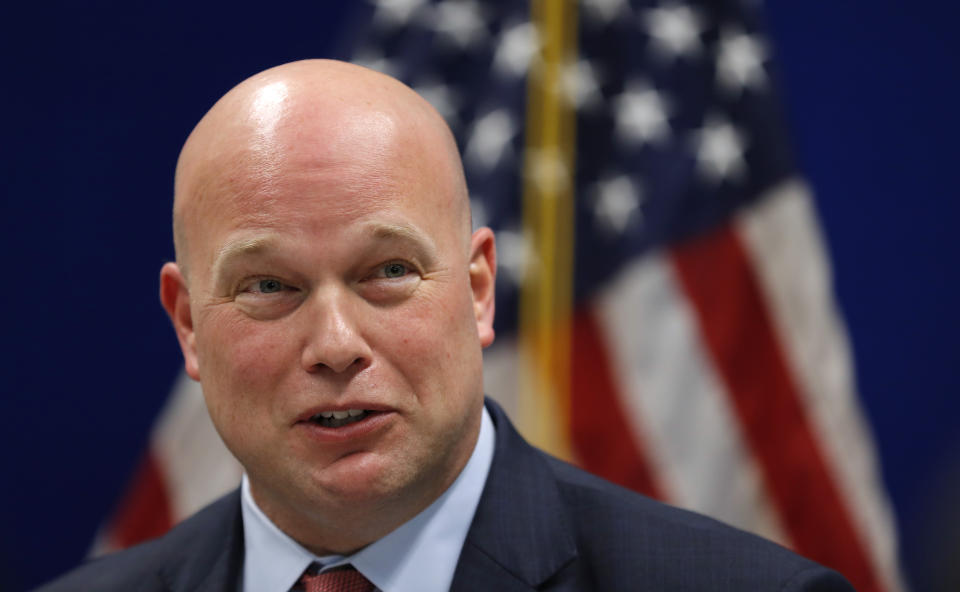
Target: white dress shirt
(419, 556)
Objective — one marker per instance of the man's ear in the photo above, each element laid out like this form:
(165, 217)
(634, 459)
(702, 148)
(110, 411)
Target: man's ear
(483, 272)
(176, 301)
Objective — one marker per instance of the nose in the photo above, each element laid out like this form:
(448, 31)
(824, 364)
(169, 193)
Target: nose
(334, 342)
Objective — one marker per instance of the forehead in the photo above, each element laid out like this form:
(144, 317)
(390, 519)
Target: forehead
(329, 208)
(324, 162)
(309, 194)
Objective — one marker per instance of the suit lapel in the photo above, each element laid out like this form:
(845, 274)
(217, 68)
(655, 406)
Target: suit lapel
(213, 560)
(520, 535)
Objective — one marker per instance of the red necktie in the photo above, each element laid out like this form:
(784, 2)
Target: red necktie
(341, 579)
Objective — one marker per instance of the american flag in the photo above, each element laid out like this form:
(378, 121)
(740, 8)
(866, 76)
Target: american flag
(665, 315)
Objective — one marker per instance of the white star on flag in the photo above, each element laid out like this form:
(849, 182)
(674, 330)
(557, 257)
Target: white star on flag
(641, 114)
(674, 30)
(490, 139)
(459, 22)
(604, 11)
(370, 58)
(579, 80)
(440, 96)
(515, 256)
(720, 148)
(478, 212)
(615, 204)
(395, 13)
(517, 46)
(740, 60)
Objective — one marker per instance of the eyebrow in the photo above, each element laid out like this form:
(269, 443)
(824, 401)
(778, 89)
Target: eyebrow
(241, 248)
(420, 241)
(403, 233)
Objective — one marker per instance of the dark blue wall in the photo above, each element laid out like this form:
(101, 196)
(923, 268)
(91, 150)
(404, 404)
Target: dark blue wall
(872, 90)
(98, 97)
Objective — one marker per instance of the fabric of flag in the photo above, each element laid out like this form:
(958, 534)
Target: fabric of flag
(665, 315)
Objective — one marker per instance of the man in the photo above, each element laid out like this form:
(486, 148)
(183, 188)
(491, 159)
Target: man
(332, 301)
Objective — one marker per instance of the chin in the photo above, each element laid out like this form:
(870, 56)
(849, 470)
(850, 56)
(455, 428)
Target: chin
(361, 477)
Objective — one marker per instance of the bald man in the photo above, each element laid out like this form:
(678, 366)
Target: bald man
(330, 297)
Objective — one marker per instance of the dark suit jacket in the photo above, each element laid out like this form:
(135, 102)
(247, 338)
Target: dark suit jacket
(541, 525)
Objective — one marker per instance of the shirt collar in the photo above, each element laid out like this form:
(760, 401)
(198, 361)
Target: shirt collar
(420, 555)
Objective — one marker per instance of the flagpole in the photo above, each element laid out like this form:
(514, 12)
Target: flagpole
(546, 294)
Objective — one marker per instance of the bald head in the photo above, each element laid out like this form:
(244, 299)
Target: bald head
(324, 114)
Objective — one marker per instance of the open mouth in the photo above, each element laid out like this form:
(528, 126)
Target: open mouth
(337, 419)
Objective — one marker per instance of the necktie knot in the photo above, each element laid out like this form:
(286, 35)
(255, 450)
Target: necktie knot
(340, 579)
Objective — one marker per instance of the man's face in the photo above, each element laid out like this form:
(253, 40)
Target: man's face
(333, 276)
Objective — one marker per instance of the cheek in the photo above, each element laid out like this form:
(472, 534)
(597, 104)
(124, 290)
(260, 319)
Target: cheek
(426, 325)
(239, 356)
(433, 341)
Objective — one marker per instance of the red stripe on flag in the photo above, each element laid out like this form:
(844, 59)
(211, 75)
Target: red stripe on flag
(602, 440)
(716, 274)
(144, 512)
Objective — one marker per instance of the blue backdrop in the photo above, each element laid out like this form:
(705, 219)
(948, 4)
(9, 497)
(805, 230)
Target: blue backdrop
(99, 96)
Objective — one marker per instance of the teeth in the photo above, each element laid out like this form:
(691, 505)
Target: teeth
(336, 419)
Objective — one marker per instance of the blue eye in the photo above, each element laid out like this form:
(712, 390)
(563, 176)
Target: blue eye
(394, 270)
(269, 286)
